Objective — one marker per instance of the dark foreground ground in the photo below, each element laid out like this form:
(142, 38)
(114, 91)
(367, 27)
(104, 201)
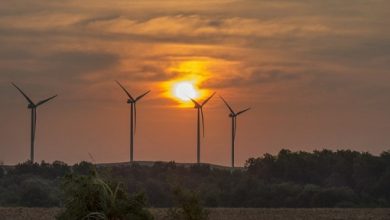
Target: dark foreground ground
(224, 214)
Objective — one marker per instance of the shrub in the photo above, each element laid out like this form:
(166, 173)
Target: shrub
(188, 207)
(38, 192)
(89, 197)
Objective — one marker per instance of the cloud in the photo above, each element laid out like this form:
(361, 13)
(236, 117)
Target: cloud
(77, 62)
(196, 26)
(82, 42)
(66, 66)
(253, 77)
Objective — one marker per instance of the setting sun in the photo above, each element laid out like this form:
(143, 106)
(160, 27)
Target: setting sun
(185, 91)
(188, 84)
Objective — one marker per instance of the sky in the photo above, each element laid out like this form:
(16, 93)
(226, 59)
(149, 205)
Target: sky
(315, 74)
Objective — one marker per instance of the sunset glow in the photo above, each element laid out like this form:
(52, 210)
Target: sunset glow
(190, 75)
(185, 91)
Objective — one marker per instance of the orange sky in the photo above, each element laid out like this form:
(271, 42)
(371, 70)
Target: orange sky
(316, 75)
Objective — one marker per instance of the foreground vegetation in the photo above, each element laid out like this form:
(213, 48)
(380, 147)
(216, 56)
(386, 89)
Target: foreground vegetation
(90, 197)
(225, 214)
(289, 179)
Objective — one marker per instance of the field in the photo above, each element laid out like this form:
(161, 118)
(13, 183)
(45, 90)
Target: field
(224, 214)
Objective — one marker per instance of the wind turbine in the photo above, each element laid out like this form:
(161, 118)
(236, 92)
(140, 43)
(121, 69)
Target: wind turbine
(133, 117)
(199, 108)
(33, 108)
(233, 115)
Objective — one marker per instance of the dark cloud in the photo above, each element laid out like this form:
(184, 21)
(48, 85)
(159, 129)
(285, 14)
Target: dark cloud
(91, 20)
(69, 66)
(354, 51)
(8, 52)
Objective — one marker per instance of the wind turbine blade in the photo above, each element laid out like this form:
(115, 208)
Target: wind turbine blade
(141, 96)
(201, 111)
(230, 108)
(91, 157)
(195, 102)
(46, 100)
(128, 94)
(238, 113)
(205, 101)
(25, 96)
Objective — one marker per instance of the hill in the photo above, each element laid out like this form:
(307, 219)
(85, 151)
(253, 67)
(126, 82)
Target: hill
(153, 163)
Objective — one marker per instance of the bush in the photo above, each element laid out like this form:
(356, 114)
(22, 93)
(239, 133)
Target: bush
(188, 207)
(89, 197)
(37, 192)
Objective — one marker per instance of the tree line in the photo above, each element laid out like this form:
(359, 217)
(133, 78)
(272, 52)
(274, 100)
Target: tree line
(325, 178)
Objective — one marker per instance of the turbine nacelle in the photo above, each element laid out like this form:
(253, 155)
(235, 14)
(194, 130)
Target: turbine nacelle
(200, 105)
(232, 112)
(30, 106)
(130, 97)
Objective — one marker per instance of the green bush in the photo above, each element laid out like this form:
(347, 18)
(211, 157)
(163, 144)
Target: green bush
(89, 197)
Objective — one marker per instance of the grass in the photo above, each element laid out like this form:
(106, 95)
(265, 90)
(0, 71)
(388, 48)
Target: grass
(224, 214)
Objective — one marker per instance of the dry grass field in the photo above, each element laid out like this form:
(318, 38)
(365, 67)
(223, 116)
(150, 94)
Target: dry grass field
(225, 214)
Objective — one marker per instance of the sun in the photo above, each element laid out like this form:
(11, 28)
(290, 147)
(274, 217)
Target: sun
(185, 91)
(188, 82)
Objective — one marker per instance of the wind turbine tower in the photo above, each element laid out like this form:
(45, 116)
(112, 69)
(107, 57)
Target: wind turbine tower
(200, 116)
(33, 107)
(233, 116)
(133, 117)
